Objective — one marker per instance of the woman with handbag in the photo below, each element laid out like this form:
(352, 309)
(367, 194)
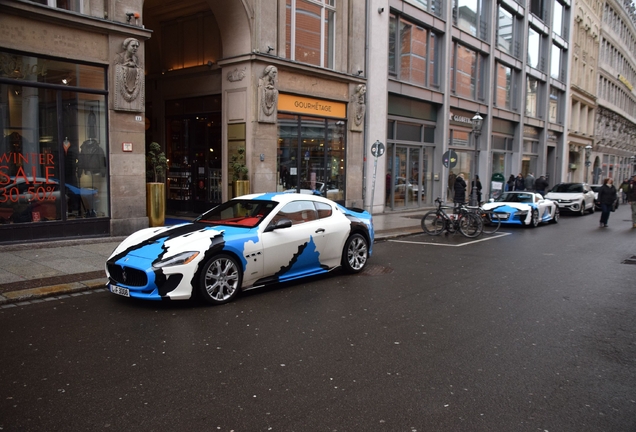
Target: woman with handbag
(606, 197)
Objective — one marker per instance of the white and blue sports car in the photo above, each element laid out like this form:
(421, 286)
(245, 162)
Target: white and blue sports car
(247, 242)
(524, 208)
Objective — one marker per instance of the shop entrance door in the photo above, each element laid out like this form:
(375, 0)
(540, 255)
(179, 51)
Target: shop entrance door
(408, 176)
(194, 155)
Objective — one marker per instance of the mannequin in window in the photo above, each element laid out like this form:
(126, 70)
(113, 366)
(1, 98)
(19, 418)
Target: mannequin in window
(92, 162)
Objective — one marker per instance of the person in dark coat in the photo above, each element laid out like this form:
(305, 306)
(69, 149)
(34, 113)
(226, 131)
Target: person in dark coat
(606, 197)
(476, 189)
(460, 190)
(510, 185)
(541, 185)
(520, 183)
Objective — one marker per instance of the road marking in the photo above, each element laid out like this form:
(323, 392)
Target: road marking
(494, 236)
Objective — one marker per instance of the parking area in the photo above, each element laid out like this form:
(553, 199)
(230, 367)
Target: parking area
(449, 240)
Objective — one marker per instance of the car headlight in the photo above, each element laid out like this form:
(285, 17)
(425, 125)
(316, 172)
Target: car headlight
(522, 213)
(178, 259)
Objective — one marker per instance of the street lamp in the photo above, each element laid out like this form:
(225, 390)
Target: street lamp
(588, 150)
(478, 122)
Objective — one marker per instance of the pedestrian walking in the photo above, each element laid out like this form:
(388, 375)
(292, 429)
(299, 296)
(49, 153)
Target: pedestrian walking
(520, 183)
(606, 197)
(529, 182)
(541, 185)
(460, 190)
(631, 198)
(624, 189)
(451, 184)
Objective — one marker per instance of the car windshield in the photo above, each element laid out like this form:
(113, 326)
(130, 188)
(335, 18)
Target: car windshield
(595, 188)
(515, 197)
(568, 188)
(244, 213)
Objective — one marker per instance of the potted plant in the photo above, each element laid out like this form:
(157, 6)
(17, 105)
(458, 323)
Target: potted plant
(241, 185)
(156, 189)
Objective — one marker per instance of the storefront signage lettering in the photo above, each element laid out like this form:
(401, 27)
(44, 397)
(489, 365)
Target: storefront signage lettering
(461, 119)
(14, 67)
(38, 176)
(625, 81)
(308, 105)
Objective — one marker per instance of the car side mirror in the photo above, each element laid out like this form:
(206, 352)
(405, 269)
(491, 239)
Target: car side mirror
(281, 223)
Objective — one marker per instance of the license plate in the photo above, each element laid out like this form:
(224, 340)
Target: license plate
(120, 291)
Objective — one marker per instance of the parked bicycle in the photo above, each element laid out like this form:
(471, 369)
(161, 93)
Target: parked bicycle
(491, 220)
(462, 219)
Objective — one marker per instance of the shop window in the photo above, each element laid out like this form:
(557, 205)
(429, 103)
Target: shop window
(311, 155)
(53, 164)
(310, 31)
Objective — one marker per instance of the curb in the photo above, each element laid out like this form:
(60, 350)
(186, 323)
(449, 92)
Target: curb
(49, 291)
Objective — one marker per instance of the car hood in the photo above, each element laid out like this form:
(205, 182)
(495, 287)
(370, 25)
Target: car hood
(564, 195)
(167, 241)
(507, 206)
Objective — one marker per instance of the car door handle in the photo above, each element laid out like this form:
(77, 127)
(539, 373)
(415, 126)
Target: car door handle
(320, 230)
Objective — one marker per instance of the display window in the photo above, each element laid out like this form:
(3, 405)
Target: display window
(53, 164)
(311, 155)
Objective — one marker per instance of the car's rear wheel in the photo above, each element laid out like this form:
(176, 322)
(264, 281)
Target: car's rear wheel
(220, 279)
(355, 253)
(534, 219)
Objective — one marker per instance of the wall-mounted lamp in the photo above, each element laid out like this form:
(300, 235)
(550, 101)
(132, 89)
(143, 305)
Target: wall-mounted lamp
(269, 49)
(210, 63)
(359, 72)
(380, 10)
(66, 80)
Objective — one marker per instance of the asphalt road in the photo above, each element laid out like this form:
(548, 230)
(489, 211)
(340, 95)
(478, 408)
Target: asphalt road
(530, 331)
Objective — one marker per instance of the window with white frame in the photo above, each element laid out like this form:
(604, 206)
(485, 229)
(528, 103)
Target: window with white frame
(310, 31)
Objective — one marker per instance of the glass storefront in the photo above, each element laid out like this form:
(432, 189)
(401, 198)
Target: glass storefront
(53, 163)
(311, 155)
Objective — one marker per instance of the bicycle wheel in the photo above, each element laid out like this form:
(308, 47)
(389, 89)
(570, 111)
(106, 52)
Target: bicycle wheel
(470, 225)
(491, 221)
(433, 223)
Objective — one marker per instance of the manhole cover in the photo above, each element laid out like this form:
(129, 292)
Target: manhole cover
(630, 260)
(376, 270)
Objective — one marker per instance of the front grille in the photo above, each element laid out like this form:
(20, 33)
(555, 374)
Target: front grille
(127, 276)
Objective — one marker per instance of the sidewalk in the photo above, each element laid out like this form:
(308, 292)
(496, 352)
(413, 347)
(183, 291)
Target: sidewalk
(33, 271)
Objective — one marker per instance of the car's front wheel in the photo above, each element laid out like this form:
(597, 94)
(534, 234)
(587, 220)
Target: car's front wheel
(557, 214)
(582, 210)
(220, 279)
(355, 253)
(534, 219)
